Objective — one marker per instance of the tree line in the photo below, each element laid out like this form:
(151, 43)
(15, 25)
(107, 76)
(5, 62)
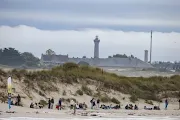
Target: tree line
(121, 56)
(12, 57)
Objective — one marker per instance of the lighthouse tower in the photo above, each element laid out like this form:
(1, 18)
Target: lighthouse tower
(96, 47)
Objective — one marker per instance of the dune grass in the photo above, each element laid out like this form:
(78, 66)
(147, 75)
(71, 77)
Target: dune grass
(70, 73)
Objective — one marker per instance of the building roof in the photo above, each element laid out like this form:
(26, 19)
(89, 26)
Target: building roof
(108, 62)
(54, 58)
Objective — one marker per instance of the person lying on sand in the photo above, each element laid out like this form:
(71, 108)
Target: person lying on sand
(147, 108)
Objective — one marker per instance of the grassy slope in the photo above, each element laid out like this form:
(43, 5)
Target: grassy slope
(153, 88)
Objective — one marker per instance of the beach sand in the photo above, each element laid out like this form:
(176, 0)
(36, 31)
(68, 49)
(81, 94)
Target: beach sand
(68, 114)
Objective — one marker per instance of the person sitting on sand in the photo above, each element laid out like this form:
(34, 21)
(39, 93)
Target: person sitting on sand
(72, 104)
(126, 107)
(36, 106)
(40, 105)
(135, 107)
(12, 103)
(31, 105)
(57, 106)
(80, 106)
(84, 106)
(156, 108)
(131, 107)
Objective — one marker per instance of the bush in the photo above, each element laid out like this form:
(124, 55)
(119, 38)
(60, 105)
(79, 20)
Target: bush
(114, 100)
(64, 93)
(133, 98)
(70, 66)
(79, 92)
(86, 90)
(41, 94)
(105, 98)
(43, 102)
(3, 73)
(68, 100)
(137, 87)
(149, 102)
(98, 94)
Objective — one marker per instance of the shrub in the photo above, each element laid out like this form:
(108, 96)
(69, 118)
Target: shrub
(114, 100)
(86, 90)
(69, 66)
(105, 98)
(79, 92)
(64, 93)
(41, 94)
(133, 98)
(98, 94)
(137, 87)
(69, 99)
(43, 102)
(149, 102)
(3, 73)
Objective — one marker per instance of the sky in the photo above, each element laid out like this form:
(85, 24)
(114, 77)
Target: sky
(70, 26)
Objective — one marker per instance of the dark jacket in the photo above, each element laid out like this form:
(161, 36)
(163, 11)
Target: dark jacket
(52, 100)
(60, 102)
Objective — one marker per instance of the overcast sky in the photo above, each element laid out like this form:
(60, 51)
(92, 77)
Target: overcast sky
(69, 26)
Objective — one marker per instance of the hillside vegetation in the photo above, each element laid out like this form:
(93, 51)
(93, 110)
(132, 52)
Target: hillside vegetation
(12, 57)
(153, 88)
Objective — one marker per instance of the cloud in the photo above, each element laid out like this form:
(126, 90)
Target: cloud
(83, 20)
(79, 43)
(124, 14)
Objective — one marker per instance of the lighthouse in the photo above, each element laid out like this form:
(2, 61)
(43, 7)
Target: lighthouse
(96, 47)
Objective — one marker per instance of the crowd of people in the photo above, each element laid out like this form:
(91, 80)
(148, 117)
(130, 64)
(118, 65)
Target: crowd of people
(17, 101)
(36, 105)
(95, 104)
(131, 107)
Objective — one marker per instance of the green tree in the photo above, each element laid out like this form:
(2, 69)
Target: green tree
(10, 56)
(50, 52)
(30, 59)
(120, 56)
